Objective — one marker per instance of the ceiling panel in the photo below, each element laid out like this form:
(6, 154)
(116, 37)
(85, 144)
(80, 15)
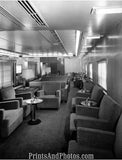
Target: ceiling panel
(17, 11)
(65, 14)
(68, 38)
(48, 35)
(20, 32)
(7, 22)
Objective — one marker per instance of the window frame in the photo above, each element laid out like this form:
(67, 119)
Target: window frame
(91, 70)
(100, 78)
(6, 69)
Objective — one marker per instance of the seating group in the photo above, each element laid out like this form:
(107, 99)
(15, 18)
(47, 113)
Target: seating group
(59, 82)
(95, 129)
(13, 106)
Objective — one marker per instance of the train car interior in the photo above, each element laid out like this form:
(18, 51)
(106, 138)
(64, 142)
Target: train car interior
(60, 79)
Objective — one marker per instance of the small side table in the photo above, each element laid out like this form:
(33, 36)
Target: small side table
(90, 103)
(33, 103)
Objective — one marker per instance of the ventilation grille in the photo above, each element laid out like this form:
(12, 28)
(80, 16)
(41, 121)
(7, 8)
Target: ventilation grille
(58, 39)
(30, 10)
(10, 17)
(27, 6)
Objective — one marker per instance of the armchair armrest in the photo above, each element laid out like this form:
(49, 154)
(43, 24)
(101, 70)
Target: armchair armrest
(64, 92)
(2, 115)
(87, 111)
(95, 138)
(20, 99)
(94, 123)
(58, 93)
(7, 105)
(27, 95)
(40, 93)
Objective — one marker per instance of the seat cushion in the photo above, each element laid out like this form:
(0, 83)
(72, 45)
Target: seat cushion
(13, 118)
(7, 93)
(93, 153)
(12, 115)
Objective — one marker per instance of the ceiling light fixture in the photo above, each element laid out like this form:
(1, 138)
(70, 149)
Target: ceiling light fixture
(8, 53)
(115, 37)
(77, 41)
(93, 37)
(87, 46)
(100, 10)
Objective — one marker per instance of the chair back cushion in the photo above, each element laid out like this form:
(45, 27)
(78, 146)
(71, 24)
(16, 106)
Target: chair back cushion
(97, 94)
(118, 139)
(88, 85)
(7, 93)
(50, 88)
(63, 84)
(109, 110)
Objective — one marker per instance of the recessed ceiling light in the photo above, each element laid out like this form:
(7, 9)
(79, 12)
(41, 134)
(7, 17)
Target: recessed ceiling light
(78, 33)
(114, 36)
(93, 37)
(87, 46)
(112, 10)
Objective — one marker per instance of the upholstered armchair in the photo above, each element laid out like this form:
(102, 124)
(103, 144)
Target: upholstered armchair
(51, 95)
(102, 144)
(8, 93)
(86, 90)
(104, 117)
(11, 116)
(96, 96)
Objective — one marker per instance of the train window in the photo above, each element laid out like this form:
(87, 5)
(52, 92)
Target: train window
(90, 71)
(86, 68)
(5, 74)
(102, 74)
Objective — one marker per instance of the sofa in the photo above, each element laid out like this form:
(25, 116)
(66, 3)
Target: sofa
(51, 95)
(11, 116)
(107, 114)
(96, 95)
(100, 143)
(8, 93)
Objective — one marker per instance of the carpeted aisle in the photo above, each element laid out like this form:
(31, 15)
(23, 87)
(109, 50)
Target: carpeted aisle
(46, 137)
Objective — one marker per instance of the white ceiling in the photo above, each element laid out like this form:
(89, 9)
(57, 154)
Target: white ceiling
(20, 32)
